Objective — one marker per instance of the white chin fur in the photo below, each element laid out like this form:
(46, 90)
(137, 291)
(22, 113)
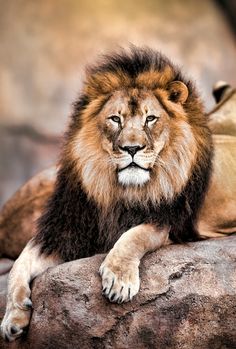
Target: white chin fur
(133, 176)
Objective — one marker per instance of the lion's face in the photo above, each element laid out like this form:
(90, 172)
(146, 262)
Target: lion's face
(135, 129)
(136, 143)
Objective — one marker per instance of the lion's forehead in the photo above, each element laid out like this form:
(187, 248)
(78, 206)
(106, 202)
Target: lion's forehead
(133, 102)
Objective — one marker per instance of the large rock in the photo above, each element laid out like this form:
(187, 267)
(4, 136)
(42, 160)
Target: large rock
(5, 266)
(187, 300)
(24, 151)
(223, 115)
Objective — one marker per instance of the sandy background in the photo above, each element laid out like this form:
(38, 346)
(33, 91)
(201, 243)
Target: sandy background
(45, 44)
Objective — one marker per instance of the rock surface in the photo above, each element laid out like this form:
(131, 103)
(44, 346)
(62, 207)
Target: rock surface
(5, 266)
(187, 300)
(223, 116)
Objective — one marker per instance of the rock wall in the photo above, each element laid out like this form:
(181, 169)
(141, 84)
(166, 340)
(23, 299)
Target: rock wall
(187, 301)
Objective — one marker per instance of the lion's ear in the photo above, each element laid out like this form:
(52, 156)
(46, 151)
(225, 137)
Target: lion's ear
(178, 92)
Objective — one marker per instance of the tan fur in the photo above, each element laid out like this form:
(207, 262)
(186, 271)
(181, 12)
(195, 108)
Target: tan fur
(152, 79)
(120, 269)
(110, 83)
(179, 88)
(29, 265)
(218, 214)
(92, 163)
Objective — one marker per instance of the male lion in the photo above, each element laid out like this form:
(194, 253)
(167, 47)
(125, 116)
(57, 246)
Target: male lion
(132, 176)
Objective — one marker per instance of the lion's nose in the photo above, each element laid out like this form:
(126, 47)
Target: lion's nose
(132, 150)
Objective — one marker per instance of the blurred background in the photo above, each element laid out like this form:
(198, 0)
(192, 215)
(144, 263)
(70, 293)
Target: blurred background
(45, 44)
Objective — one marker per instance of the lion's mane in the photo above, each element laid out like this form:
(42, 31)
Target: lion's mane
(86, 215)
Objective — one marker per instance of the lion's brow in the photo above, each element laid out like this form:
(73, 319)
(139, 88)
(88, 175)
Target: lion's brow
(133, 104)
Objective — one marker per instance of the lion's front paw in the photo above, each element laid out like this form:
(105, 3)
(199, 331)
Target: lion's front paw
(17, 315)
(120, 279)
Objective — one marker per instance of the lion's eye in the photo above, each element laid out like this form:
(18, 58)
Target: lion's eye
(115, 118)
(151, 118)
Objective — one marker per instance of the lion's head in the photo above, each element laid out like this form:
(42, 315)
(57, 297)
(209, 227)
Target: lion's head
(138, 129)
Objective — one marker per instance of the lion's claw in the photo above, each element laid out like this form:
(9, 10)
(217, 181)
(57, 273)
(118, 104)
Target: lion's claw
(17, 315)
(120, 286)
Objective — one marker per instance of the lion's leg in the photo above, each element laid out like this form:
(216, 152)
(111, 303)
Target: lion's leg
(29, 264)
(120, 269)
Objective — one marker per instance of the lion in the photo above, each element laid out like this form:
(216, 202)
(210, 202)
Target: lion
(132, 176)
(21, 211)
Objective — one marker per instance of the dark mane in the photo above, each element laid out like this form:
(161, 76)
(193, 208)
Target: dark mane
(135, 61)
(130, 64)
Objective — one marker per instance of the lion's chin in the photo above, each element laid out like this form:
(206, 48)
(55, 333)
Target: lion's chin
(133, 176)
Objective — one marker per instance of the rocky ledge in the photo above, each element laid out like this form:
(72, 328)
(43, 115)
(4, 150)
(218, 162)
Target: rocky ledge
(187, 300)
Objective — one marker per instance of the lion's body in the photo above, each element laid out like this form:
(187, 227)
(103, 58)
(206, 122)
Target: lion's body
(218, 214)
(132, 177)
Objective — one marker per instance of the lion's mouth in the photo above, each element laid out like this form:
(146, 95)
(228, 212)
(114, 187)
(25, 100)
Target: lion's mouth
(133, 164)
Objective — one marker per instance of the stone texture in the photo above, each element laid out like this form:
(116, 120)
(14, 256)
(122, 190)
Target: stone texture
(187, 301)
(223, 115)
(5, 266)
(24, 152)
